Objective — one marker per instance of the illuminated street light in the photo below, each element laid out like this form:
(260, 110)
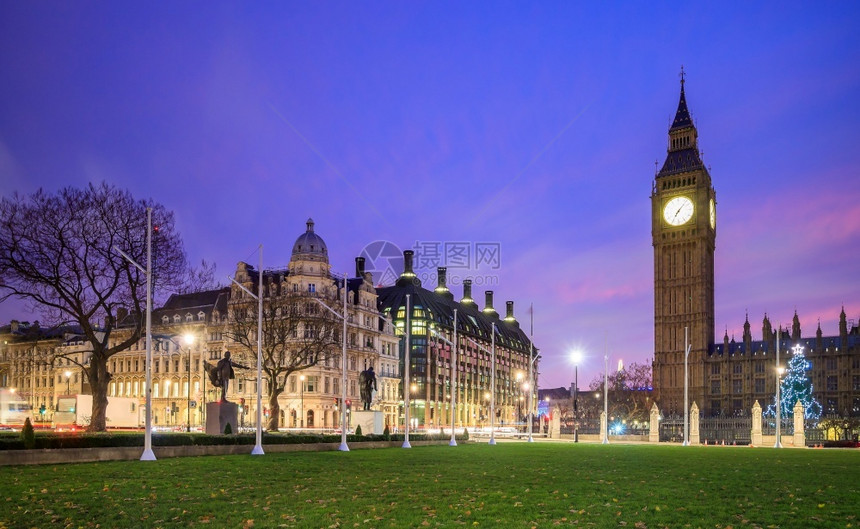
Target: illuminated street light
(68, 384)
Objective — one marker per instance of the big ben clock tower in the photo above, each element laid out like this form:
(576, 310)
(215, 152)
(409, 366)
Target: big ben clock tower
(683, 232)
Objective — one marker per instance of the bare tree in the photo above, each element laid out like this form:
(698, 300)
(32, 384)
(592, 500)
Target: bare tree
(629, 392)
(57, 251)
(297, 334)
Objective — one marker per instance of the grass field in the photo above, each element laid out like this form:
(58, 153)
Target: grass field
(507, 485)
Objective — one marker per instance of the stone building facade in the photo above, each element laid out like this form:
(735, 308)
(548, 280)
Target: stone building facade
(740, 373)
(431, 355)
(35, 361)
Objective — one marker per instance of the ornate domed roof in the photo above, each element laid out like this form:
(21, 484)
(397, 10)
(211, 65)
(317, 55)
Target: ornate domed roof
(309, 244)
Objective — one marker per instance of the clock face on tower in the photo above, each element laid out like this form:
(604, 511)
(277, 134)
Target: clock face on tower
(678, 211)
(713, 215)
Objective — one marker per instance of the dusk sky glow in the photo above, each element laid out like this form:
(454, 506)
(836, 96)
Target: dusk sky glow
(533, 126)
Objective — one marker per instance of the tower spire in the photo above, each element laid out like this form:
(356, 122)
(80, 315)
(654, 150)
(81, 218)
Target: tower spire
(683, 149)
(682, 115)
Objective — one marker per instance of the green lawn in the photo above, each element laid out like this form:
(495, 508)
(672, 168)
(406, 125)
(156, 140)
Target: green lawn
(476, 485)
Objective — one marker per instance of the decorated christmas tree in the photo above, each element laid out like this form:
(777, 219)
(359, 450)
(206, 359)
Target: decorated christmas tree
(796, 386)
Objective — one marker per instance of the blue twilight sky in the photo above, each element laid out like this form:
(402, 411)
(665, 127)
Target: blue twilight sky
(531, 127)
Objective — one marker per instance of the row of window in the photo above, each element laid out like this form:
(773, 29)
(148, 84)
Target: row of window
(831, 384)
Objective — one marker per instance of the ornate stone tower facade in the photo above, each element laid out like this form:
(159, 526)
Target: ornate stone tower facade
(683, 232)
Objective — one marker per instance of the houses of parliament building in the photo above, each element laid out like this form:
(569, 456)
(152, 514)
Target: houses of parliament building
(725, 378)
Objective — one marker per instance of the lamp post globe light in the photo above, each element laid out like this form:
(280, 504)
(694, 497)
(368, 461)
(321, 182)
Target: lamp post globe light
(68, 383)
(576, 356)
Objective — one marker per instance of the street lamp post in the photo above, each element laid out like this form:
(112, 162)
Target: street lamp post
(148, 454)
(531, 381)
(302, 401)
(454, 383)
(407, 368)
(68, 383)
(169, 408)
(343, 425)
(454, 374)
(493, 387)
(491, 396)
(577, 358)
(188, 338)
(779, 372)
(258, 447)
(520, 399)
(413, 389)
(687, 347)
(605, 392)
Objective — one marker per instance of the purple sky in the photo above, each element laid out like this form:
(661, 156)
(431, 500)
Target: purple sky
(534, 126)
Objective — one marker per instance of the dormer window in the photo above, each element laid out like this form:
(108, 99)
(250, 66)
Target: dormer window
(201, 316)
(189, 317)
(165, 320)
(176, 318)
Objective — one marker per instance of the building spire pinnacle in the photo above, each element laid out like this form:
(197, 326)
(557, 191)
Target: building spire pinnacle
(682, 115)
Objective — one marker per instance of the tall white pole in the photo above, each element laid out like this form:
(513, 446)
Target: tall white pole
(148, 454)
(493, 388)
(343, 424)
(532, 385)
(407, 387)
(258, 448)
(454, 387)
(686, 393)
(605, 389)
(778, 443)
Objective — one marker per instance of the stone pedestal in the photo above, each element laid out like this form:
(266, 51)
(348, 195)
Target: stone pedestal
(603, 430)
(654, 425)
(219, 414)
(555, 424)
(371, 421)
(694, 425)
(799, 433)
(755, 433)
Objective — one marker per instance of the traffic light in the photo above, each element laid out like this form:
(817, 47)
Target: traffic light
(42, 409)
(348, 406)
(241, 405)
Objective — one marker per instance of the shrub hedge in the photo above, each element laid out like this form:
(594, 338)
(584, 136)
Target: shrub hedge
(54, 440)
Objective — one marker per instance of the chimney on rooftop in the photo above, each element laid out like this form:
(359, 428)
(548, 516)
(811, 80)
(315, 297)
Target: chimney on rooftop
(488, 304)
(467, 292)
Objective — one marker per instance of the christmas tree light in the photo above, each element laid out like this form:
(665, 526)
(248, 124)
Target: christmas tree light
(796, 386)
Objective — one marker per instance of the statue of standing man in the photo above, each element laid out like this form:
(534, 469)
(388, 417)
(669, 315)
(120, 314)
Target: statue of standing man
(223, 373)
(367, 384)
